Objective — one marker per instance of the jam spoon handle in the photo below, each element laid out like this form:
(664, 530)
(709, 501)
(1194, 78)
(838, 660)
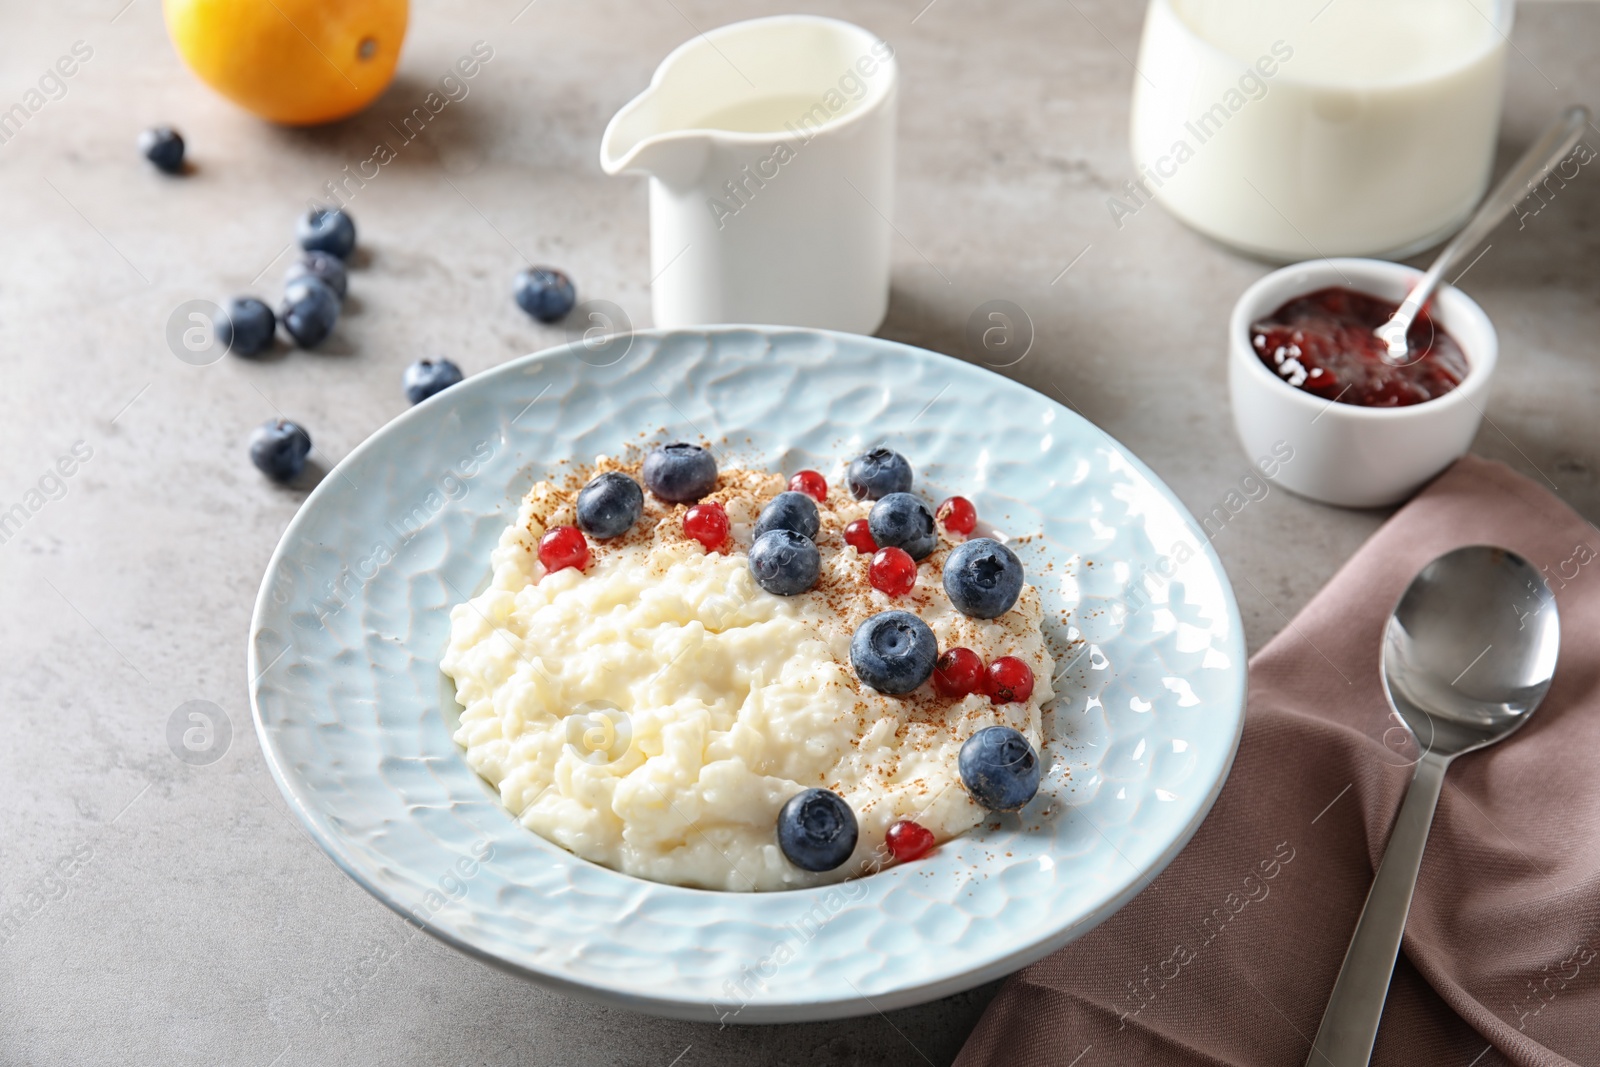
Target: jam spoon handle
(1551, 148)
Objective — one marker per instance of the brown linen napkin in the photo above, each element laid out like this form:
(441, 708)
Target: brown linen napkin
(1229, 956)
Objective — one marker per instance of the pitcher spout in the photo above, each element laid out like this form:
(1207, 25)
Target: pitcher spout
(638, 141)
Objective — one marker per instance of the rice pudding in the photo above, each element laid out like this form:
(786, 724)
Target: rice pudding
(654, 709)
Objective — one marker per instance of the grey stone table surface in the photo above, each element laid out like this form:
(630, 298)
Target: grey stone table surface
(162, 912)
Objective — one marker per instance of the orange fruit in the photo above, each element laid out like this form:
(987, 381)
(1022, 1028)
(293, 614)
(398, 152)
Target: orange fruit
(297, 62)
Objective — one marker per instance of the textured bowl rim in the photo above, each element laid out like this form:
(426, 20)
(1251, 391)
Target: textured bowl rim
(645, 997)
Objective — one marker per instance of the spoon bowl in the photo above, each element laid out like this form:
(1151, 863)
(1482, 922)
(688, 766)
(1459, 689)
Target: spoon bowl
(1468, 654)
(1470, 650)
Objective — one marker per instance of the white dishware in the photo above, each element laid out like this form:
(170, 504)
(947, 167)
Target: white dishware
(770, 150)
(356, 720)
(1346, 454)
(1293, 129)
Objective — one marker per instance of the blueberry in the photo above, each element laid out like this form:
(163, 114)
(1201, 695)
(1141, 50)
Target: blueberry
(327, 229)
(876, 474)
(999, 768)
(903, 520)
(308, 311)
(545, 293)
(247, 327)
(680, 473)
(609, 505)
(428, 376)
(789, 511)
(163, 146)
(893, 652)
(785, 562)
(817, 830)
(325, 267)
(279, 449)
(982, 577)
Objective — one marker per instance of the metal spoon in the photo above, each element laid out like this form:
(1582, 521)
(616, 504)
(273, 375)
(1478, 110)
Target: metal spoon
(1467, 656)
(1551, 148)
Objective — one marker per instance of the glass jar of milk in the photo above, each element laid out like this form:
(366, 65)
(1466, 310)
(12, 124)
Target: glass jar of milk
(1293, 129)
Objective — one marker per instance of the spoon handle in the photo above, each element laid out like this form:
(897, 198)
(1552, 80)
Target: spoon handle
(1551, 148)
(1350, 1023)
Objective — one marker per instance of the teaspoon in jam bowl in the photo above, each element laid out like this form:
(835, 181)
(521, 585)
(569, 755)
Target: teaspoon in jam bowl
(1551, 148)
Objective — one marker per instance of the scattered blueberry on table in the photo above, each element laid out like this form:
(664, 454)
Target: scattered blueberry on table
(983, 578)
(545, 293)
(323, 266)
(426, 377)
(308, 311)
(609, 505)
(893, 652)
(903, 521)
(279, 449)
(680, 473)
(784, 562)
(324, 229)
(247, 326)
(789, 510)
(163, 146)
(817, 831)
(876, 474)
(999, 768)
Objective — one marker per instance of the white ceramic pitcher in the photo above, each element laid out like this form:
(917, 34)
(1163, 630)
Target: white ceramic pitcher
(770, 150)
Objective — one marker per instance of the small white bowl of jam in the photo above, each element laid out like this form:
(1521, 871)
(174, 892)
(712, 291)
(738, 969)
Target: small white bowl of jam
(1314, 398)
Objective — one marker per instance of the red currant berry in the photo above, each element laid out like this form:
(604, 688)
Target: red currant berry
(892, 571)
(958, 516)
(859, 537)
(706, 523)
(1008, 680)
(957, 672)
(811, 484)
(908, 841)
(562, 547)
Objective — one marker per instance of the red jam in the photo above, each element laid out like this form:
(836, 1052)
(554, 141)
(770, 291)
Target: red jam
(1323, 343)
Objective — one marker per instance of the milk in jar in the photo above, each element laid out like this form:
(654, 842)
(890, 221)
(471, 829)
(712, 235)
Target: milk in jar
(1294, 129)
